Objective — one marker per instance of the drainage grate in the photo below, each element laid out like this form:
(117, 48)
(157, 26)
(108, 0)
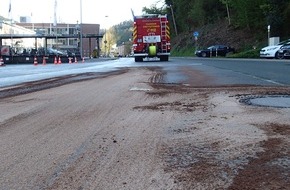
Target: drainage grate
(277, 101)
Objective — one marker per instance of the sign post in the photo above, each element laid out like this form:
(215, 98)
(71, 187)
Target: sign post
(195, 34)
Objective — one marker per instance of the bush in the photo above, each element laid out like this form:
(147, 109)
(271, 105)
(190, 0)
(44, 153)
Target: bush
(253, 53)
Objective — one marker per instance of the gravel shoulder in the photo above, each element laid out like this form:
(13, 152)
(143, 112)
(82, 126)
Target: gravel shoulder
(128, 130)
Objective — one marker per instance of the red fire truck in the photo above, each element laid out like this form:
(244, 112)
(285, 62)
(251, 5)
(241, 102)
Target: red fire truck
(151, 37)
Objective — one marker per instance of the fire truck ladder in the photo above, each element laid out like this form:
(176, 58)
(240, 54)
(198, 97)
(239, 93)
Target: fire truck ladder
(163, 36)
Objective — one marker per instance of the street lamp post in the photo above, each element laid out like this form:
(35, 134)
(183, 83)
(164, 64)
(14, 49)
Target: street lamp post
(269, 29)
(81, 28)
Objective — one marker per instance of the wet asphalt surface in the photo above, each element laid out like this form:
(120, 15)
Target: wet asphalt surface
(225, 71)
(204, 78)
(20, 79)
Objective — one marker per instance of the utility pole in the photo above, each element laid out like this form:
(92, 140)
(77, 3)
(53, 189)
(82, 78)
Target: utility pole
(81, 28)
(106, 38)
(173, 19)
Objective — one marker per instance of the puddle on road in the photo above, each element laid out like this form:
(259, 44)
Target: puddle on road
(277, 101)
(139, 89)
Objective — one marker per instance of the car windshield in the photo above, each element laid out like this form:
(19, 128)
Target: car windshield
(284, 42)
(285, 47)
(211, 47)
(54, 51)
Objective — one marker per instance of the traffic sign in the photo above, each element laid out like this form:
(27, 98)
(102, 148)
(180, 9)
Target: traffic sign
(195, 34)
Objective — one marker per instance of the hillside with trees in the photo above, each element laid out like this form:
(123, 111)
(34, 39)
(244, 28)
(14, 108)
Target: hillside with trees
(119, 35)
(238, 23)
(247, 14)
(241, 24)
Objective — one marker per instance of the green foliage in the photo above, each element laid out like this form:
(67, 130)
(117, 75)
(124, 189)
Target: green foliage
(186, 52)
(189, 52)
(123, 32)
(154, 10)
(253, 15)
(198, 14)
(253, 53)
(190, 15)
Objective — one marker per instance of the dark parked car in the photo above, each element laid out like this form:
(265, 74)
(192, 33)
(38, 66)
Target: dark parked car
(216, 50)
(284, 52)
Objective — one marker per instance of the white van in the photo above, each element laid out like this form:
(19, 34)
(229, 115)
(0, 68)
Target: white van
(272, 51)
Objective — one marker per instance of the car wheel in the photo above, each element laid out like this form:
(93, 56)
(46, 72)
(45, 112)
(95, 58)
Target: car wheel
(203, 54)
(280, 56)
(138, 59)
(229, 53)
(164, 58)
(277, 55)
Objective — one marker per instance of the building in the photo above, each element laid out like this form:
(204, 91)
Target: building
(25, 19)
(125, 49)
(90, 34)
(9, 28)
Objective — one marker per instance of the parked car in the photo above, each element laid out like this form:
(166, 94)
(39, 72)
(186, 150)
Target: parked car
(51, 51)
(272, 51)
(215, 50)
(284, 52)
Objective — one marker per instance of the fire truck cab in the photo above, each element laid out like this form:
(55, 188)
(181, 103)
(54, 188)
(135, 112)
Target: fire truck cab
(151, 37)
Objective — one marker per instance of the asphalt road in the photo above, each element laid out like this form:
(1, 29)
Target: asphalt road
(248, 71)
(154, 125)
(223, 71)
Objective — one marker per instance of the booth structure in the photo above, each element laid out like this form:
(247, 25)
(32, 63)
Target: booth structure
(15, 58)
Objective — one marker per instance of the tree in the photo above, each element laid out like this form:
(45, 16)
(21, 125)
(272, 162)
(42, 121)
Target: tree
(275, 15)
(154, 10)
(227, 4)
(123, 32)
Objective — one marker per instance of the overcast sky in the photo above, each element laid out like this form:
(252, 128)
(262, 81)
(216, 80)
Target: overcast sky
(68, 11)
